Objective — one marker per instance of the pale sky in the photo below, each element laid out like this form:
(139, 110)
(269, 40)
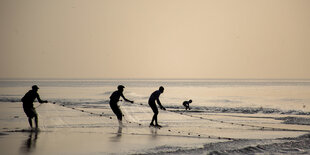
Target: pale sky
(155, 39)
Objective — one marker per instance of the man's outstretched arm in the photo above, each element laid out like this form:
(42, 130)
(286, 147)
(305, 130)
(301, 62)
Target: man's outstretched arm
(126, 99)
(39, 99)
(160, 106)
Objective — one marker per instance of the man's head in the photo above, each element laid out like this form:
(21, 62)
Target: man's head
(190, 101)
(161, 89)
(35, 87)
(120, 88)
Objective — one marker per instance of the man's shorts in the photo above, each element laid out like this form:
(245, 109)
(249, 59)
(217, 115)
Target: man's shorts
(30, 112)
(117, 111)
(154, 107)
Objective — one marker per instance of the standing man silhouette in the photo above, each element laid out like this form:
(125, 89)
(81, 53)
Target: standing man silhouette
(28, 100)
(155, 97)
(114, 98)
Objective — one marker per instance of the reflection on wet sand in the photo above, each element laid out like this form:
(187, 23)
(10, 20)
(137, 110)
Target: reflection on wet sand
(153, 131)
(118, 134)
(29, 144)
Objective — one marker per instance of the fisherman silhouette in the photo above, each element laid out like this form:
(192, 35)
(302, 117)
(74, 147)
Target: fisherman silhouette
(28, 100)
(155, 97)
(114, 98)
(186, 104)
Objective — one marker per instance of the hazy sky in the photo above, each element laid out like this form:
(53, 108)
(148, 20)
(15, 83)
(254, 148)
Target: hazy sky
(155, 39)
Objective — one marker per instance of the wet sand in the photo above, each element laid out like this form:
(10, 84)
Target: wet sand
(70, 130)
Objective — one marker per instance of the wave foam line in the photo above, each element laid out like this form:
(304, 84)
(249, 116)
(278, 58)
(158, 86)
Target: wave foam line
(241, 124)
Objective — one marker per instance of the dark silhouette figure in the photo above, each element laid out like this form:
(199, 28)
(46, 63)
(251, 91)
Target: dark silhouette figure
(155, 97)
(114, 98)
(186, 104)
(28, 100)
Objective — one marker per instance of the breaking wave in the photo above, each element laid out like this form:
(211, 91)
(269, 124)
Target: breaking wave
(244, 110)
(69, 102)
(195, 109)
(10, 99)
(299, 145)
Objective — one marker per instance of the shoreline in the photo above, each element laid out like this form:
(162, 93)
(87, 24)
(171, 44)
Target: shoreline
(69, 130)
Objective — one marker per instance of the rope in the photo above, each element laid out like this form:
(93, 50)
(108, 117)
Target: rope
(188, 134)
(241, 124)
(38, 106)
(193, 134)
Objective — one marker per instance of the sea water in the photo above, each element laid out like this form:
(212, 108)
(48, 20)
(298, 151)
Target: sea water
(208, 95)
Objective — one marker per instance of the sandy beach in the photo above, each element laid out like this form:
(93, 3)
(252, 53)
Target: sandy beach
(69, 130)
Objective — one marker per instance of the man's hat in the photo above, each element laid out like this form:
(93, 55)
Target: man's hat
(120, 87)
(35, 87)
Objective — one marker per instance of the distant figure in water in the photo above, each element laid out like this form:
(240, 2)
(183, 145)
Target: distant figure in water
(155, 97)
(114, 98)
(186, 104)
(28, 100)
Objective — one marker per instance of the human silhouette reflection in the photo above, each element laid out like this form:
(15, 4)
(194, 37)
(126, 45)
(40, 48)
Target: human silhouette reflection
(154, 132)
(29, 144)
(118, 134)
(119, 131)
